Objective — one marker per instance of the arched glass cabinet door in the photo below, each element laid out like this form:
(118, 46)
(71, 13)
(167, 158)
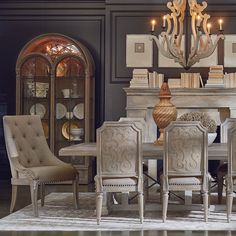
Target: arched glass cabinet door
(34, 88)
(70, 100)
(55, 79)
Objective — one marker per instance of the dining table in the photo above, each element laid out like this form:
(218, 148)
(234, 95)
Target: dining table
(216, 151)
(151, 151)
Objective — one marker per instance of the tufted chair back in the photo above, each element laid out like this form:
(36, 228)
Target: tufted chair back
(25, 141)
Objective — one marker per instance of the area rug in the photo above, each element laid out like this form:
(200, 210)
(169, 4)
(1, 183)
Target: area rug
(58, 214)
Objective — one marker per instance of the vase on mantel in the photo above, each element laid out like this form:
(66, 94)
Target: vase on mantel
(164, 112)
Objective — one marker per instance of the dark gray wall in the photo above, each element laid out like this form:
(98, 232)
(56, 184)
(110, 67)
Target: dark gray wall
(102, 27)
(133, 17)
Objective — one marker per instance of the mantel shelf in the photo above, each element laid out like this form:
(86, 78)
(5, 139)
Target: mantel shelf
(214, 98)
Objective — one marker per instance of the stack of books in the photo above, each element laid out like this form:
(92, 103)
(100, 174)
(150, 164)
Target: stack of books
(174, 83)
(230, 80)
(140, 78)
(190, 80)
(155, 80)
(215, 77)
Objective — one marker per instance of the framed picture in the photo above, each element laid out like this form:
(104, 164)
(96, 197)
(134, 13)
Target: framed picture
(139, 50)
(230, 50)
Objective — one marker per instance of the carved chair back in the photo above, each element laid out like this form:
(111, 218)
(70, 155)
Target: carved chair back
(227, 124)
(185, 149)
(140, 123)
(119, 150)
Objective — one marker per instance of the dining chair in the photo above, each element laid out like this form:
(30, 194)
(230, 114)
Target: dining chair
(231, 175)
(222, 169)
(31, 161)
(119, 162)
(185, 161)
(141, 123)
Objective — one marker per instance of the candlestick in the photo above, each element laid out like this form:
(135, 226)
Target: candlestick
(209, 28)
(153, 23)
(220, 23)
(164, 21)
(198, 20)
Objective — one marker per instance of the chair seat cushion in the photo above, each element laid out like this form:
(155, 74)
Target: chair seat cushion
(53, 173)
(119, 181)
(185, 181)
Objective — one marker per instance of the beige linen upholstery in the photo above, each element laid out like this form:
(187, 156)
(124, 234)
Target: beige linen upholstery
(185, 161)
(31, 161)
(119, 162)
(222, 169)
(231, 176)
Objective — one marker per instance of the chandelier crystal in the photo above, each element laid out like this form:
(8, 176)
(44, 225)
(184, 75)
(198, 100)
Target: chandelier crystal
(169, 42)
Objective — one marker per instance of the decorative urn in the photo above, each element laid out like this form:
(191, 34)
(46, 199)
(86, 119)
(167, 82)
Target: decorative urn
(164, 112)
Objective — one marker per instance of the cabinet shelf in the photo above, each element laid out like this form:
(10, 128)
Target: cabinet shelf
(66, 78)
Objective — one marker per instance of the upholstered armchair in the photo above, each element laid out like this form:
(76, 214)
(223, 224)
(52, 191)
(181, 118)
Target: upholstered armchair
(222, 169)
(31, 161)
(231, 176)
(119, 162)
(185, 161)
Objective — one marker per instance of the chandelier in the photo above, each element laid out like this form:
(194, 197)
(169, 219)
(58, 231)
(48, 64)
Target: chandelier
(169, 42)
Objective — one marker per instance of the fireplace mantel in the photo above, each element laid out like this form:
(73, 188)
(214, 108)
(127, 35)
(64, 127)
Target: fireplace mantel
(140, 102)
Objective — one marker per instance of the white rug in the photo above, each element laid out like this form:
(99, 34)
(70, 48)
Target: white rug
(58, 214)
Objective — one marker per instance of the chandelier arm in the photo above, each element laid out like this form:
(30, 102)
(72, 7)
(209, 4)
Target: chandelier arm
(198, 56)
(168, 17)
(161, 46)
(177, 54)
(206, 17)
(169, 53)
(212, 48)
(194, 49)
(197, 7)
(193, 26)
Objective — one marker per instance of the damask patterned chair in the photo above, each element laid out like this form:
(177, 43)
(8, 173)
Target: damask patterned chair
(231, 176)
(222, 170)
(119, 162)
(31, 161)
(185, 161)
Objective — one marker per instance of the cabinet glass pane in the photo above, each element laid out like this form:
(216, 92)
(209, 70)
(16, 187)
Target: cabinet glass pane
(35, 87)
(69, 102)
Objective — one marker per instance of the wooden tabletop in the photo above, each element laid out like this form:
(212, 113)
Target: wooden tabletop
(216, 151)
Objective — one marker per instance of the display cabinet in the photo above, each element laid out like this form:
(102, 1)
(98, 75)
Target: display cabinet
(55, 80)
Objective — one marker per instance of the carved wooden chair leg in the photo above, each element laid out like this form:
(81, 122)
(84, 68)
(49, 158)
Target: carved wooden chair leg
(165, 204)
(220, 180)
(13, 197)
(34, 196)
(75, 191)
(229, 204)
(42, 193)
(99, 206)
(205, 202)
(140, 202)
